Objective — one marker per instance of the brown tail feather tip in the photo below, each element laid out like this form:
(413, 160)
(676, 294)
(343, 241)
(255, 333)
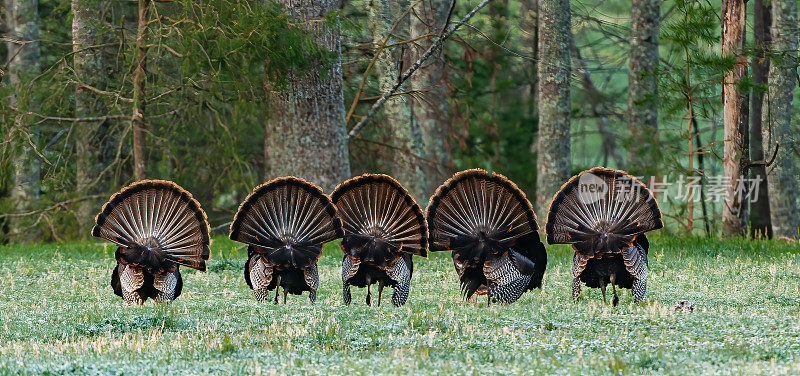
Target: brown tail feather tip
(352, 212)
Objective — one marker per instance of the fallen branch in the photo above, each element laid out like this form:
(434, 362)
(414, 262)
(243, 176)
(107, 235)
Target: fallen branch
(436, 46)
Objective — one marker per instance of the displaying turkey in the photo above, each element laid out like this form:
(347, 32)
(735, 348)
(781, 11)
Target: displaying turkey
(285, 223)
(604, 214)
(383, 228)
(490, 227)
(158, 226)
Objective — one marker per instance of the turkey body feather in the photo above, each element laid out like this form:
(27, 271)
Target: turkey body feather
(285, 223)
(158, 227)
(490, 227)
(383, 228)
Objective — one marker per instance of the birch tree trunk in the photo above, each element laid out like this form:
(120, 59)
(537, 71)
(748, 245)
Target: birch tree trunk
(24, 52)
(776, 120)
(305, 135)
(759, 205)
(734, 208)
(406, 136)
(429, 104)
(89, 66)
(643, 149)
(553, 139)
(139, 101)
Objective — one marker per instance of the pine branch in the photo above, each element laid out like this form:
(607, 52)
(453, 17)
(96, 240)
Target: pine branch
(436, 46)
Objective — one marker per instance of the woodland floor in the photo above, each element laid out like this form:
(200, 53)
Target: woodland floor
(58, 315)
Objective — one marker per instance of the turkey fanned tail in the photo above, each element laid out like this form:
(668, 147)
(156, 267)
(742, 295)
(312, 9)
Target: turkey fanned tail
(601, 210)
(157, 226)
(490, 227)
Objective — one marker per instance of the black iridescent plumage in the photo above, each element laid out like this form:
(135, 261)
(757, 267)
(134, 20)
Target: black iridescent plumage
(490, 227)
(285, 222)
(158, 226)
(383, 228)
(604, 214)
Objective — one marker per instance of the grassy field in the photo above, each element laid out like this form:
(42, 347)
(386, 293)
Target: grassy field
(58, 315)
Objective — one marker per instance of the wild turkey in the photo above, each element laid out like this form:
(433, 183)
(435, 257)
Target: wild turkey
(490, 227)
(604, 214)
(285, 223)
(383, 228)
(158, 226)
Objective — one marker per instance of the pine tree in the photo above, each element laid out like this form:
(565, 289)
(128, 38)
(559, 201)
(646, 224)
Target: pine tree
(759, 205)
(90, 137)
(387, 23)
(735, 110)
(429, 104)
(138, 119)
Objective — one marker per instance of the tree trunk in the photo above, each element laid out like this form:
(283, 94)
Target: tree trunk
(759, 205)
(553, 139)
(643, 148)
(406, 136)
(429, 104)
(776, 118)
(139, 100)
(89, 65)
(24, 66)
(734, 208)
(305, 135)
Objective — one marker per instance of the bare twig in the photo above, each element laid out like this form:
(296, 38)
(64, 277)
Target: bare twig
(751, 164)
(220, 227)
(372, 62)
(51, 207)
(70, 119)
(598, 108)
(435, 46)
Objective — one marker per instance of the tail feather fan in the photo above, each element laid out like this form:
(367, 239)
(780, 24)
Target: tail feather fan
(154, 221)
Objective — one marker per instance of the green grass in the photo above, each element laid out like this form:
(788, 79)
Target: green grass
(58, 315)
